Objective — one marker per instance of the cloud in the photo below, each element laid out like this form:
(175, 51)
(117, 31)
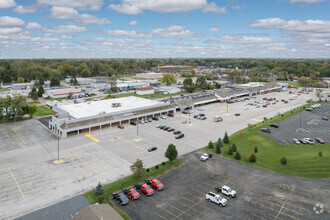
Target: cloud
(133, 23)
(66, 37)
(33, 26)
(7, 21)
(11, 30)
(307, 1)
(7, 4)
(175, 32)
(214, 8)
(93, 5)
(60, 12)
(164, 6)
(236, 7)
(25, 9)
(65, 29)
(213, 29)
(123, 33)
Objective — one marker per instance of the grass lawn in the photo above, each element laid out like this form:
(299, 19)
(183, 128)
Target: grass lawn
(58, 99)
(128, 182)
(42, 111)
(34, 103)
(296, 84)
(147, 96)
(4, 89)
(302, 160)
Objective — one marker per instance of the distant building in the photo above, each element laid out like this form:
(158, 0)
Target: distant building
(60, 93)
(172, 69)
(145, 90)
(21, 86)
(168, 90)
(151, 75)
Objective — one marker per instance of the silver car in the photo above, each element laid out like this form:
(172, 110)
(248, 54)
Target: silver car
(296, 141)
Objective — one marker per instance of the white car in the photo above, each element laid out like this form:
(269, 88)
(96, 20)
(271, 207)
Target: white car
(309, 141)
(200, 109)
(246, 108)
(228, 191)
(258, 106)
(163, 117)
(296, 141)
(204, 157)
(158, 125)
(212, 197)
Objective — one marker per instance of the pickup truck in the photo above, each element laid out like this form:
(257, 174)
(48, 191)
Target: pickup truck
(226, 191)
(212, 197)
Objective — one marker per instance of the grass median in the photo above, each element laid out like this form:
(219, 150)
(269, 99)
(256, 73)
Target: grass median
(128, 182)
(302, 160)
(42, 111)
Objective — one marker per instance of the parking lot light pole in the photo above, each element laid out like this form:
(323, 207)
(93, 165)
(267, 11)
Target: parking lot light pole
(137, 130)
(58, 149)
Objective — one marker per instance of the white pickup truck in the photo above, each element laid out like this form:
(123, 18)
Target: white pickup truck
(212, 197)
(228, 191)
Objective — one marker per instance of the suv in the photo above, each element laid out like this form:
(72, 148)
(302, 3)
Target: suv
(265, 130)
(226, 190)
(274, 125)
(132, 193)
(212, 197)
(120, 197)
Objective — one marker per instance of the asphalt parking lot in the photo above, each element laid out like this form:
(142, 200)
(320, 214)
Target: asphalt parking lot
(311, 126)
(27, 156)
(260, 194)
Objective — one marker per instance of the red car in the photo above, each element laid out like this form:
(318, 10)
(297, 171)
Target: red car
(171, 129)
(156, 184)
(145, 188)
(320, 140)
(170, 115)
(176, 132)
(132, 193)
(237, 114)
(286, 102)
(120, 126)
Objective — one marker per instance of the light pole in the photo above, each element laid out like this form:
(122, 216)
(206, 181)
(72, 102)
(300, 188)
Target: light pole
(58, 149)
(137, 130)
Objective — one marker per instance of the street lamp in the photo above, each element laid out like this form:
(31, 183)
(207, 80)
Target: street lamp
(137, 130)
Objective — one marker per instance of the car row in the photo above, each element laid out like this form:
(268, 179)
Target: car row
(307, 141)
(169, 129)
(132, 193)
(216, 198)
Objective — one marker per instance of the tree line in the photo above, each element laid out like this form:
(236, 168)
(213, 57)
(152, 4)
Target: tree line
(57, 69)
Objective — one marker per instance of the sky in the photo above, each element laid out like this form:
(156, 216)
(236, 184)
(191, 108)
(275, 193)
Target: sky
(164, 29)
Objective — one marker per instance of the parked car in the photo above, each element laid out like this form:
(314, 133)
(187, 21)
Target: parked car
(177, 132)
(162, 117)
(133, 123)
(226, 190)
(179, 136)
(286, 102)
(237, 114)
(158, 126)
(156, 184)
(203, 118)
(155, 118)
(120, 197)
(131, 193)
(201, 114)
(171, 129)
(309, 141)
(296, 141)
(149, 119)
(170, 115)
(200, 109)
(264, 106)
(195, 116)
(212, 197)
(325, 118)
(274, 125)
(205, 157)
(145, 188)
(265, 130)
(162, 127)
(319, 140)
(166, 128)
(303, 141)
(120, 126)
(152, 149)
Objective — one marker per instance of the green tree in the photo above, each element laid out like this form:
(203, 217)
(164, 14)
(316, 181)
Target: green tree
(20, 79)
(217, 149)
(137, 168)
(171, 152)
(34, 94)
(226, 138)
(188, 83)
(237, 156)
(99, 189)
(283, 160)
(219, 142)
(201, 82)
(41, 91)
(305, 81)
(17, 105)
(168, 79)
(253, 158)
(32, 109)
(54, 82)
(210, 145)
(230, 151)
(233, 147)
(113, 83)
(191, 89)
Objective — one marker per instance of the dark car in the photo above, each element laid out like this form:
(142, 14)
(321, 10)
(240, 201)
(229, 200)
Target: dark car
(171, 129)
(303, 141)
(120, 197)
(201, 114)
(179, 136)
(170, 115)
(152, 149)
(155, 118)
(162, 127)
(133, 123)
(176, 132)
(325, 118)
(185, 112)
(274, 125)
(195, 116)
(237, 114)
(166, 128)
(265, 130)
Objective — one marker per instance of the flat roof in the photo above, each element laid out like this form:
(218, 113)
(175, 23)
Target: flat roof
(93, 108)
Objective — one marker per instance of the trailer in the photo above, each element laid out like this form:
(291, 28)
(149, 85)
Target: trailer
(217, 118)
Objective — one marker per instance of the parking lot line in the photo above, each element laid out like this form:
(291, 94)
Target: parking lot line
(279, 212)
(296, 212)
(168, 212)
(16, 182)
(91, 167)
(159, 215)
(182, 212)
(284, 109)
(17, 135)
(133, 144)
(258, 120)
(258, 216)
(224, 108)
(92, 137)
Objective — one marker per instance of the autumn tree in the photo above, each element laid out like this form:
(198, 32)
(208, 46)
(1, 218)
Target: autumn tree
(137, 168)
(168, 79)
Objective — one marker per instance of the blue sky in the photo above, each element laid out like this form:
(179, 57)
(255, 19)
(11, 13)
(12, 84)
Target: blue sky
(164, 28)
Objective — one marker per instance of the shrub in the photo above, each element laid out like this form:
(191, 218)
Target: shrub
(99, 189)
(237, 156)
(265, 119)
(233, 147)
(283, 160)
(220, 142)
(250, 125)
(147, 170)
(253, 158)
(226, 138)
(230, 151)
(156, 167)
(210, 145)
(163, 163)
(255, 149)
(137, 168)
(100, 198)
(217, 149)
(320, 154)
